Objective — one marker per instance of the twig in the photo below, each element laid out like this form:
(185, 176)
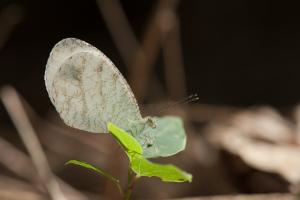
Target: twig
(13, 189)
(15, 109)
(139, 58)
(20, 164)
(132, 178)
(49, 128)
(54, 141)
(172, 54)
(143, 63)
(17, 162)
(124, 38)
(119, 27)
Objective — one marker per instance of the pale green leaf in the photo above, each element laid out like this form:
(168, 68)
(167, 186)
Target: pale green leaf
(125, 139)
(140, 165)
(91, 167)
(165, 139)
(167, 173)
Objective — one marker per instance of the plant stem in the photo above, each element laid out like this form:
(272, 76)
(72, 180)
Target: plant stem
(131, 183)
(119, 188)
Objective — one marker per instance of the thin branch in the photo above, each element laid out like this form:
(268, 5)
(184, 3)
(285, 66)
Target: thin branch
(13, 189)
(17, 162)
(49, 138)
(21, 165)
(139, 58)
(16, 111)
(143, 63)
(132, 178)
(172, 54)
(120, 29)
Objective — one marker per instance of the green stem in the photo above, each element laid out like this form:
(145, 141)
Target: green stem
(119, 188)
(131, 183)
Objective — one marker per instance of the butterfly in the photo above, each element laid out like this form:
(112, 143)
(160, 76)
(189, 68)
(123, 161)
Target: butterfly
(88, 91)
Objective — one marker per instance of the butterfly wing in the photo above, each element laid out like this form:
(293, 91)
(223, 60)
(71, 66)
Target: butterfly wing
(166, 139)
(87, 89)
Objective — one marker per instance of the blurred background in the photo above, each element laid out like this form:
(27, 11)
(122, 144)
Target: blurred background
(241, 58)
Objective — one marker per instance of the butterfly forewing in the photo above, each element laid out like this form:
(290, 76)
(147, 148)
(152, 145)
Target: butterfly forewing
(87, 89)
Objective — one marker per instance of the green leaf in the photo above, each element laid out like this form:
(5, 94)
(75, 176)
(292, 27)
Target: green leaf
(91, 167)
(125, 139)
(140, 165)
(165, 139)
(167, 173)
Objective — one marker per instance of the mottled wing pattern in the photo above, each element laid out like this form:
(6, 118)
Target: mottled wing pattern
(87, 89)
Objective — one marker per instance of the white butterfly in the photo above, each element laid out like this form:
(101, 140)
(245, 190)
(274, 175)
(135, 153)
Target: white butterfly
(87, 89)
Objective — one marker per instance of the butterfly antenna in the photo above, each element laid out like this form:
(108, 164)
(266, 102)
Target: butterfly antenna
(189, 99)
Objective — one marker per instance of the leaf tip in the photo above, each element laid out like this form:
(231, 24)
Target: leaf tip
(189, 178)
(69, 162)
(110, 126)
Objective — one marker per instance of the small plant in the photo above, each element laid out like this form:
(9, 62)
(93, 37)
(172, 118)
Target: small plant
(90, 94)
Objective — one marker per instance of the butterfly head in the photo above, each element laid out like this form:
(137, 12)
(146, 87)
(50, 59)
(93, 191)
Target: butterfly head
(150, 122)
